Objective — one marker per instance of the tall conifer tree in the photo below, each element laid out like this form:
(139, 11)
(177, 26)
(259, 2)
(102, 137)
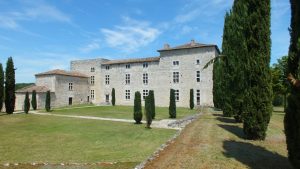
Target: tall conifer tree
(292, 118)
(1, 87)
(258, 94)
(33, 100)
(10, 96)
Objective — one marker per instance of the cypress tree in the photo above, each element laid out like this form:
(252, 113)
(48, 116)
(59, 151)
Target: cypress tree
(137, 111)
(258, 94)
(48, 102)
(292, 118)
(148, 111)
(152, 102)
(191, 99)
(113, 97)
(33, 100)
(10, 96)
(172, 106)
(26, 103)
(1, 87)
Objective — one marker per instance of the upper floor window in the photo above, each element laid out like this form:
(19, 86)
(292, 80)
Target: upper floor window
(145, 65)
(107, 79)
(107, 67)
(175, 77)
(198, 62)
(145, 94)
(70, 86)
(92, 69)
(176, 63)
(92, 94)
(145, 78)
(198, 97)
(127, 79)
(92, 79)
(127, 94)
(177, 95)
(128, 66)
(198, 76)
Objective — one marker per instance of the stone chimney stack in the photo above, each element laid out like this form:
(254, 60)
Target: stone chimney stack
(166, 46)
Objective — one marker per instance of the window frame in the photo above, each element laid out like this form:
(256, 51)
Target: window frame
(176, 76)
(145, 93)
(176, 63)
(177, 96)
(127, 79)
(127, 95)
(92, 80)
(107, 79)
(70, 86)
(198, 76)
(145, 78)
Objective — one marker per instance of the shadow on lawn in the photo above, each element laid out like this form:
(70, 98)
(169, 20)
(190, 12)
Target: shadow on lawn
(234, 130)
(226, 120)
(255, 157)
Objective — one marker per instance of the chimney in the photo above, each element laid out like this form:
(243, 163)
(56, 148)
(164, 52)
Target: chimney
(193, 43)
(166, 46)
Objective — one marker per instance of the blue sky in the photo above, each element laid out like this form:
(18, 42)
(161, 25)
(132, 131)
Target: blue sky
(41, 35)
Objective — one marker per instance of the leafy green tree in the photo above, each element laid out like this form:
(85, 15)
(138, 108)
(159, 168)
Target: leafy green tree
(292, 118)
(10, 96)
(113, 97)
(152, 102)
(33, 100)
(172, 106)
(258, 94)
(191, 99)
(148, 111)
(1, 87)
(26, 103)
(48, 102)
(137, 112)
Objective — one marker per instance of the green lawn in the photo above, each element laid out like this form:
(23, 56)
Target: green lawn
(121, 112)
(33, 138)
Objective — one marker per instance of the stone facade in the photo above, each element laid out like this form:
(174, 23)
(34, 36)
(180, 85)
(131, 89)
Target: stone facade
(179, 68)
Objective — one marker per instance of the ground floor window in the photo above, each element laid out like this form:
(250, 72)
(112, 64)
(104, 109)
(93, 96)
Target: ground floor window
(145, 94)
(127, 94)
(92, 94)
(198, 97)
(177, 95)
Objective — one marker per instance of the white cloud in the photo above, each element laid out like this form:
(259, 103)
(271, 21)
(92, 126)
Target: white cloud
(130, 36)
(90, 47)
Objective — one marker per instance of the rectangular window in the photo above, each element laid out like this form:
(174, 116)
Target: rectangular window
(175, 77)
(177, 95)
(127, 79)
(107, 79)
(145, 65)
(175, 63)
(198, 76)
(198, 62)
(92, 69)
(70, 86)
(198, 97)
(127, 94)
(145, 94)
(107, 67)
(92, 94)
(145, 78)
(128, 66)
(92, 80)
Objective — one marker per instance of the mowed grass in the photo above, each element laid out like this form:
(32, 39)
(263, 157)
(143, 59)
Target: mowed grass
(33, 138)
(121, 112)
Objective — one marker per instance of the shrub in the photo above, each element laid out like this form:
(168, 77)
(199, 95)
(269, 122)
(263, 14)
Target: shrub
(10, 85)
(33, 100)
(172, 106)
(148, 111)
(137, 110)
(191, 99)
(152, 102)
(26, 103)
(113, 97)
(48, 101)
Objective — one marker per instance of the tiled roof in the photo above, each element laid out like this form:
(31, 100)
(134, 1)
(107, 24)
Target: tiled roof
(149, 59)
(62, 72)
(38, 89)
(190, 45)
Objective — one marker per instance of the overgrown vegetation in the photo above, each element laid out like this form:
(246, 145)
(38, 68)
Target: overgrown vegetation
(292, 118)
(137, 110)
(10, 96)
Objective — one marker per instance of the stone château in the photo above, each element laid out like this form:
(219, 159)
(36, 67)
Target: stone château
(91, 81)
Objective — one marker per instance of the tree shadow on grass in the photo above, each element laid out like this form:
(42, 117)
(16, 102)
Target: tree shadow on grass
(234, 130)
(255, 157)
(226, 120)
(216, 114)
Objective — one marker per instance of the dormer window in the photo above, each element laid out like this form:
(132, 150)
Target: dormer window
(128, 66)
(176, 63)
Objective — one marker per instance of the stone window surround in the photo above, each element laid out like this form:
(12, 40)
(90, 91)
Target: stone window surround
(92, 80)
(92, 94)
(175, 77)
(145, 93)
(176, 95)
(198, 97)
(127, 94)
(92, 69)
(198, 76)
(145, 78)
(71, 86)
(175, 63)
(107, 79)
(127, 79)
